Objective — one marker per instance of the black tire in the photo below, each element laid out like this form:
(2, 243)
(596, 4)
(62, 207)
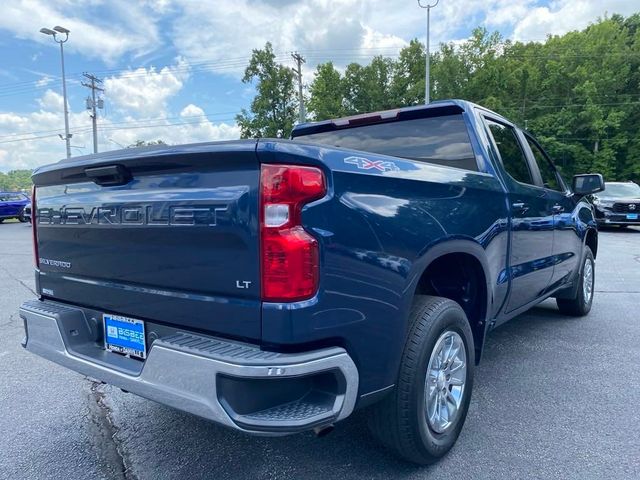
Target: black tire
(399, 421)
(580, 305)
(22, 218)
(1, 220)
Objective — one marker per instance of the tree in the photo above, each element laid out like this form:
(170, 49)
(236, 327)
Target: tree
(273, 109)
(327, 94)
(407, 84)
(368, 88)
(15, 180)
(145, 143)
(578, 92)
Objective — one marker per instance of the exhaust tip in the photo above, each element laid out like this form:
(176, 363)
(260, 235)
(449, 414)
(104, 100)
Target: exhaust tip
(324, 430)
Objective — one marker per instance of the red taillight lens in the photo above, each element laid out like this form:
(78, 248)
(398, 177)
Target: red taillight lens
(289, 255)
(33, 226)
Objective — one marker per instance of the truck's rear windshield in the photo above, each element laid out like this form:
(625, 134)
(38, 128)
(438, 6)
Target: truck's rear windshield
(442, 140)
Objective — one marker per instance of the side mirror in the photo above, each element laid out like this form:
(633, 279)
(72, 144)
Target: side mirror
(587, 184)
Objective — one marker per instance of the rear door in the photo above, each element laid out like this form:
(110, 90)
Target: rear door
(531, 250)
(176, 244)
(566, 239)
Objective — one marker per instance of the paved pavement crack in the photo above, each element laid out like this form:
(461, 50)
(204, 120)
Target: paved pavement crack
(13, 277)
(109, 447)
(11, 321)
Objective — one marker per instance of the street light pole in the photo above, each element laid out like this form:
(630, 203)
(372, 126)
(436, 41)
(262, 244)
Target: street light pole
(54, 34)
(427, 83)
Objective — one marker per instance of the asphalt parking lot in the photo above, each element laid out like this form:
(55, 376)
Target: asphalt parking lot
(554, 397)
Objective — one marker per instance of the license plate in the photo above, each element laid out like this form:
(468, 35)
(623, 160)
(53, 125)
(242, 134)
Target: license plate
(632, 216)
(124, 335)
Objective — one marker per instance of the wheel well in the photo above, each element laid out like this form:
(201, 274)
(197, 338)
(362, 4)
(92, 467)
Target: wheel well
(592, 241)
(459, 277)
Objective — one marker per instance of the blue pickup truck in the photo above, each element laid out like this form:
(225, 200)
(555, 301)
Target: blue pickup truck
(273, 286)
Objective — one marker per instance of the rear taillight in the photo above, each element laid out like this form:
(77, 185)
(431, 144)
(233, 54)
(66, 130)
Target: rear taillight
(289, 255)
(33, 226)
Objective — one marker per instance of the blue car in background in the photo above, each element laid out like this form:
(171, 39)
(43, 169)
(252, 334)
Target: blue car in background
(12, 205)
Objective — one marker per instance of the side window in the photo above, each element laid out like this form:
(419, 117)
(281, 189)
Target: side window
(513, 158)
(547, 170)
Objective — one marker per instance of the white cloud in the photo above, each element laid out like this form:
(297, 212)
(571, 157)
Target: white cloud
(145, 91)
(44, 81)
(191, 110)
(210, 31)
(122, 27)
(562, 16)
(189, 132)
(376, 40)
(51, 101)
(41, 128)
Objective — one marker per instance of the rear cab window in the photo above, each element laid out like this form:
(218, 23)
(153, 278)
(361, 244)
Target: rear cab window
(442, 140)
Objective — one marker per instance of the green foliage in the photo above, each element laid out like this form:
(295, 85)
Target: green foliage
(273, 110)
(579, 93)
(327, 93)
(15, 180)
(407, 86)
(145, 143)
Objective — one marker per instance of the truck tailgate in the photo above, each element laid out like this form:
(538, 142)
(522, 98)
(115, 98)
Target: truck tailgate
(175, 242)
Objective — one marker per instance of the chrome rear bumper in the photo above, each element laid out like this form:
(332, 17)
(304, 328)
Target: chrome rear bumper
(234, 384)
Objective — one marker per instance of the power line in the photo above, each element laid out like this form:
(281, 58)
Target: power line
(237, 62)
(81, 131)
(131, 122)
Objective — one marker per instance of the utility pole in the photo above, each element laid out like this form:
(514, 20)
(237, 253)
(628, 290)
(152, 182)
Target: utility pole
(54, 33)
(300, 60)
(427, 85)
(92, 105)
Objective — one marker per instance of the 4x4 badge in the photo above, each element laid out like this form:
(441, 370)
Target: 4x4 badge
(366, 164)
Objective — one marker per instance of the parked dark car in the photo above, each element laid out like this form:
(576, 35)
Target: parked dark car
(618, 204)
(26, 213)
(12, 205)
(274, 286)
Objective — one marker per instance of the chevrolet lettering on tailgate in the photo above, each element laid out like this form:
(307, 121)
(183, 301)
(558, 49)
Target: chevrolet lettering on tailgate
(178, 215)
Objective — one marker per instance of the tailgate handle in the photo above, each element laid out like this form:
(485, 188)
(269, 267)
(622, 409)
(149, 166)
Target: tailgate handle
(109, 175)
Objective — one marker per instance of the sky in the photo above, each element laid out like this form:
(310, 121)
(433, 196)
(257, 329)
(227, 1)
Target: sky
(172, 69)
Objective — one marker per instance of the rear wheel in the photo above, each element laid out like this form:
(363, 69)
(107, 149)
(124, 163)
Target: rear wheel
(1, 220)
(422, 418)
(22, 218)
(580, 305)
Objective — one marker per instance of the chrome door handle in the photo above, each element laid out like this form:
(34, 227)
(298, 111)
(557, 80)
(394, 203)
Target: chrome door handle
(520, 206)
(557, 209)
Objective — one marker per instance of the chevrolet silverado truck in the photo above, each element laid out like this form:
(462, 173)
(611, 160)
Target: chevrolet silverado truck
(274, 286)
